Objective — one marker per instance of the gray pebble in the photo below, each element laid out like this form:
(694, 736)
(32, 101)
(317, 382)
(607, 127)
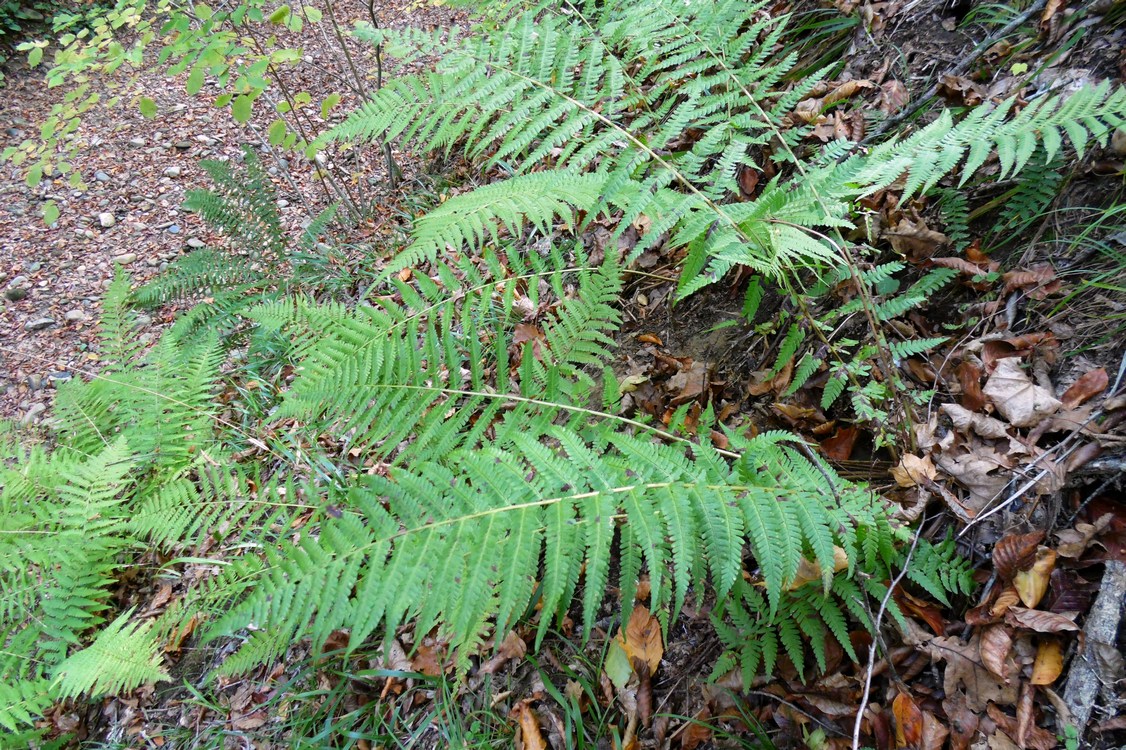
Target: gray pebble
(196, 243)
(106, 219)
(125, 259)
(33, 412)
(75, 315)
(174, 229)
(101, 176)
(38, 324)
(17, 281)
(172, 172)
(136, 142)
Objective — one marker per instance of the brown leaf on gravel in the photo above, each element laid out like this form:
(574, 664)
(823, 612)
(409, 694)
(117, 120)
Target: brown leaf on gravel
(908, 721)
(1032, 584)
(1015, 553)
(1039, 620)
(1049, 662)
(1086, 387)
(1016, 397)
(995, 647)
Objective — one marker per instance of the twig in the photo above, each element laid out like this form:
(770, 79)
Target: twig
(958, 69)
(875, 640)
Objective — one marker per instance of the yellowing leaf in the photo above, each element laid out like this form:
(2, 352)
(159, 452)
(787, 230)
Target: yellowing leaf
(147, 107)
(50, 213)
(1032, 584)
(280, 15)
(276, 133)
(914, 470)
(642, 638)
(1048, 664)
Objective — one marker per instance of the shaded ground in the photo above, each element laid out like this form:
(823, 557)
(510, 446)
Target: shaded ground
(138, 171)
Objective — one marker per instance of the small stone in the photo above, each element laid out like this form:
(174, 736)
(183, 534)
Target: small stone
(106, 219)
(206, 140)
(136, 142)
(144, 320)
(101, 176)
(75, 315)
(17, 281)
(183, 145)
(33, 412)
(14, 132)
(36, 382)
(34, 266)
(125, 259)
(16, 293)
(283, 164)
(195, 243)
(59, 377)
(172, 172)
(39, 324)
(174, 229)
(283, 203)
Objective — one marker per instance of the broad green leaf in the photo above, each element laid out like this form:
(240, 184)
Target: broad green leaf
(148, 107)
(280, 15)
(329, 102)
(50, 213)
(242, 108)
(203, 11)
(35, 56)
(313, 14)
(195, 81)
(276, 133)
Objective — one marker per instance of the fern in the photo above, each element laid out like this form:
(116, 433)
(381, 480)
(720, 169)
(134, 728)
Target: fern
(123, 656)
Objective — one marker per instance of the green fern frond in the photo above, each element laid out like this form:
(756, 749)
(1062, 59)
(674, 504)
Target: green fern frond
(122, 657)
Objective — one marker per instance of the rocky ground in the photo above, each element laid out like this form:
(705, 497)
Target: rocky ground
(129, 215)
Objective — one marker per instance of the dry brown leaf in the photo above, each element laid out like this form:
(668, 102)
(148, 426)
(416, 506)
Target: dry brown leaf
(934, 733)
(810, 570)
(995, 648)
(513, 647)
(914, 470)
(530, 734)
(1036, 738)
(1039, 620)
(959, 90)
(846, 90)
(893, 97)
(1032, 584)
(969, 376)
(1016, 552)
(650, 338)
(908, 721)
(914, 240)
(642, 638)
(839, 446)
(1037, 282)
(1085, 388)
(696, 732)
(1016, 397)
(963, 265)
(1074, 542)
(1049, 662)
(976, 472)
(966, 675)
(964, 419)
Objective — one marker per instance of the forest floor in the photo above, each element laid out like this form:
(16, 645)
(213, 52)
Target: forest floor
(1006, 669)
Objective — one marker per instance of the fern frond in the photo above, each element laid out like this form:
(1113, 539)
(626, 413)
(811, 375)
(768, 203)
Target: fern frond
(122, 657)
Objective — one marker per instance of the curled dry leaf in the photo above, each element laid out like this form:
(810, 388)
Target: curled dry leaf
(1037, 282)
(1074, 542)
(530, 732)
(642, 638)
(914, 470)
(1085, 388)
(893, 97)
(1016, 397)
(1036, 738)
(995, 647)
(969, 376)
(966, 675)
(908, 721)
(1049, 662)
(810, 570)
(513, 647)
(1032, 584)
(914, 240)
(1040, 621)
(934, 733)
(963, 419)
(839, 446)
(1015, 553)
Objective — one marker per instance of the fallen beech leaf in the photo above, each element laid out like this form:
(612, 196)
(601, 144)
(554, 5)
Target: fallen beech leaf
(1086, 387)
(1039, 620)
(650, 338)
(513, 647)
(696, 731)
(1019, 400)
(1015, 553)
(996, 644)
(1074, 542)
(969, 376)
(914, 470)
(1049, 662)
(810, 570)
(908, 721)
(966, 674)
(1036, 738)
(747, 179)
(893, 96)
(530, 732)
(985, 426)
(925, 611)
(839, 446)
(1037, 282)
(642, 638)
(1032, 584)
(795, 414)
(914, 240)
(934, 733)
